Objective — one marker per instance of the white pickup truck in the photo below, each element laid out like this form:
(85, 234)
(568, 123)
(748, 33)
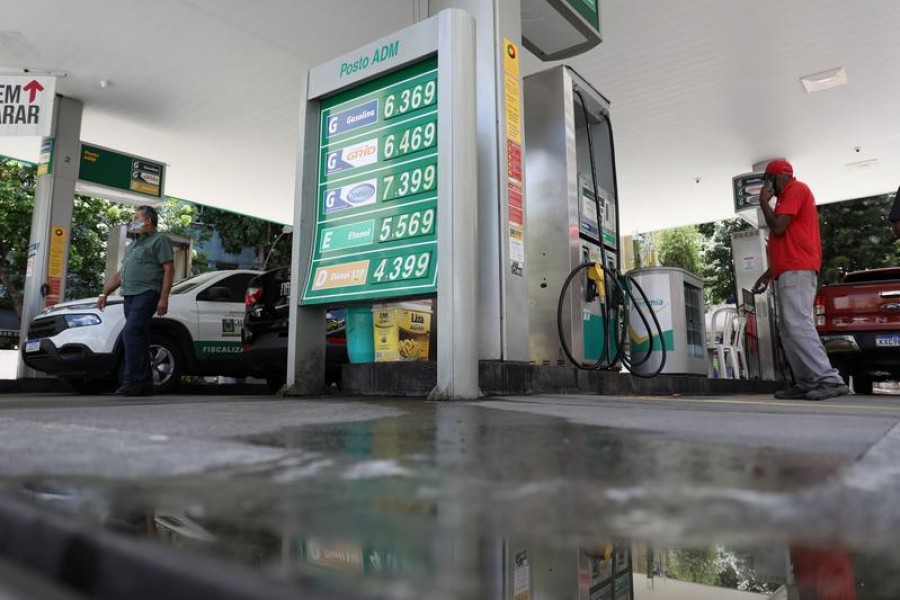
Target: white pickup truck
(200, 335)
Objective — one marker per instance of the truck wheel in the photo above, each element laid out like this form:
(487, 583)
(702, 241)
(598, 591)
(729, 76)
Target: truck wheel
(166, 363)
(862, 384)
(92, 386)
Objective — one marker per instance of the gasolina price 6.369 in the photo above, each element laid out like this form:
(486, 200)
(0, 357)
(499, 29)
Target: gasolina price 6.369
(409, 99)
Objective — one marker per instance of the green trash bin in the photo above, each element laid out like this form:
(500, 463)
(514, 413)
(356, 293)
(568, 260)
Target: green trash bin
(360, 336)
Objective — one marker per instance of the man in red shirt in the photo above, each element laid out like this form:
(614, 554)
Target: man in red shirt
(795, 258)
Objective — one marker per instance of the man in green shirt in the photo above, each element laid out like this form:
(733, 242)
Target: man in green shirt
(145, 278)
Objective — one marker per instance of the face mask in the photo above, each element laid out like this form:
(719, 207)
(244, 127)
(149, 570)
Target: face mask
(135, 226)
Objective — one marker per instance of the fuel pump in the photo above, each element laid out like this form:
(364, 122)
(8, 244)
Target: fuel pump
(578, 297)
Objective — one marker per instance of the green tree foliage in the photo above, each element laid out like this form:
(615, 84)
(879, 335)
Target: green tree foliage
(855, 235)
(697, 566)
(92, 220)
(182, 218)
(240, 231)
(16, 204)
(179, 217)
(680, 247)
(718, 262)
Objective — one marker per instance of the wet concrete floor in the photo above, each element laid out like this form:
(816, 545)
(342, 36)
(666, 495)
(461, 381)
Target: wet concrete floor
(516, 498)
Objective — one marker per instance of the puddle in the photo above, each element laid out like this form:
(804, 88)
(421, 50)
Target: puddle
(460, 502)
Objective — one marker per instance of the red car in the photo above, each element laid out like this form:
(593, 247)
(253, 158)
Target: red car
(858, 321)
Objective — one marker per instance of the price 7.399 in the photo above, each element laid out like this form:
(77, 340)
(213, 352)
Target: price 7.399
(407, 225)
(399, 268)
(407, 183)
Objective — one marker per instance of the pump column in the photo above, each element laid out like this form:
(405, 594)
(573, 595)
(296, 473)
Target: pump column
(51, 222)
(502, 291)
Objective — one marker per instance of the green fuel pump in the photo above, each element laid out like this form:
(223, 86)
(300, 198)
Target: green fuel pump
(579, 300)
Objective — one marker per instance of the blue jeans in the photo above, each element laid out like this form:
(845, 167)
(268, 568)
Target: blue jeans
(139, 311)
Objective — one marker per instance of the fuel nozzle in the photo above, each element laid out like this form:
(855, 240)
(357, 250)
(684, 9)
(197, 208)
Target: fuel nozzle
(596, 284)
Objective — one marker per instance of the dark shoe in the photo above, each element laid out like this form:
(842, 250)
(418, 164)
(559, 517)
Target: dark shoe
(134, 390)
(827, 390)
(792, 393)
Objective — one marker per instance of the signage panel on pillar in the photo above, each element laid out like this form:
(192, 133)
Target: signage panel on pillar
(114, 175)
(555, 29)
(26, 105)
(376, 230)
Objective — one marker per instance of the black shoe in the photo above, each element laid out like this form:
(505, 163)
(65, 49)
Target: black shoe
(827, 390)
(792, 393)
(134, 390)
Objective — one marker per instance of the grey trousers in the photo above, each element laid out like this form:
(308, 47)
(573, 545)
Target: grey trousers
(802, 346)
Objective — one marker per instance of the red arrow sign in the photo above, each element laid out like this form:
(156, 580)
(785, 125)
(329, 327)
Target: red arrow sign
(32, 87)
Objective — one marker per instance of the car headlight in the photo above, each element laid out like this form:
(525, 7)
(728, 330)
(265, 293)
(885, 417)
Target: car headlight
(82, 320)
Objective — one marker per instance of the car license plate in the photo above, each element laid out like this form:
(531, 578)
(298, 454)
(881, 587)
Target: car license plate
(887, 341)
(32, 346)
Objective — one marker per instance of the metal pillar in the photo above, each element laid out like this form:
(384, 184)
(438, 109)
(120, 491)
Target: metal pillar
(457, 376)
(53, 203)
(502, 292)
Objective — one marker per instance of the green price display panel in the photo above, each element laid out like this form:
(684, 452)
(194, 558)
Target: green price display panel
(376, 217)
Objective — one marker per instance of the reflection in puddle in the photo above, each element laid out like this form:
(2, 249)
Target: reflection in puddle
(469, 563)
(473, 504)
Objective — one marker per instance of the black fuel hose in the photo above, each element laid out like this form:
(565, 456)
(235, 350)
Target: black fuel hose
(622, 283)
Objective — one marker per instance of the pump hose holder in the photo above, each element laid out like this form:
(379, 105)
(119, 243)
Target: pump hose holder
(622, 299)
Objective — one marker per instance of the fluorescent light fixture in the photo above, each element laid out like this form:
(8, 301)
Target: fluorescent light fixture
(824, 80)
(863, 165)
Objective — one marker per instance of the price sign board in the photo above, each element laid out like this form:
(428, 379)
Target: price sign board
(377, 190)
(387, 188)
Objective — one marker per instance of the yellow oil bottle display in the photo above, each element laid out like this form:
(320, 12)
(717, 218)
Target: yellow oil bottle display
(402, 331)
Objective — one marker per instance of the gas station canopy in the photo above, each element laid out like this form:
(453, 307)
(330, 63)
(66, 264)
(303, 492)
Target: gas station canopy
(700, 91)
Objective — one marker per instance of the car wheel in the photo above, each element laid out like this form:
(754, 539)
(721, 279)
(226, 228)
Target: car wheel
(92, 386)
(166, 363)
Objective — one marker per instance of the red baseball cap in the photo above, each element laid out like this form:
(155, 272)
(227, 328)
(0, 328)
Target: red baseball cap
(779, 167)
